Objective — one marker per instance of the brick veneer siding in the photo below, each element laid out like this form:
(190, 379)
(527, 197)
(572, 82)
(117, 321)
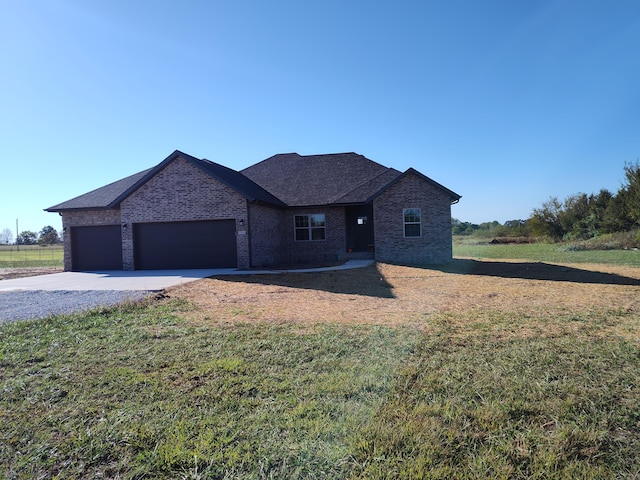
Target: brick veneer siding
(84, 218)
(266, 227)
(328, 250)
(273, 238)
(434, 246)
(183, 192)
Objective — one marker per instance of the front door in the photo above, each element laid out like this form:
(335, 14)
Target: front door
(359, 228)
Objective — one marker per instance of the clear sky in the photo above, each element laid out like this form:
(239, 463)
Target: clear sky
(506, 102)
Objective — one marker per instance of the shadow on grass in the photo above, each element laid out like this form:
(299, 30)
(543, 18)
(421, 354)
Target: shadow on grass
(367, 281)
(534, 271)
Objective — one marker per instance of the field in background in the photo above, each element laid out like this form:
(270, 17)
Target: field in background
(470, 247)
(31, 256)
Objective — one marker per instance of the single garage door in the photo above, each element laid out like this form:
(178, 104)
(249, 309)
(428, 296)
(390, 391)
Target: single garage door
(96, 248)
(176, 245)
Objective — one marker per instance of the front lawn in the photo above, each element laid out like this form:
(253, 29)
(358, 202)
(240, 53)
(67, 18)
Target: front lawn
(385, 372)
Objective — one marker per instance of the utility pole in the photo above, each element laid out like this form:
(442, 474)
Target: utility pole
(17, 243)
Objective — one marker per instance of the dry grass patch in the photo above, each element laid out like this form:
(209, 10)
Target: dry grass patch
(397, 295)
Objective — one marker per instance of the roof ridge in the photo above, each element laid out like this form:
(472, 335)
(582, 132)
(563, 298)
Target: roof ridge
(330, 154)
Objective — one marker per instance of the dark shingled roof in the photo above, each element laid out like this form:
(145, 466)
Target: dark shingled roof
(283, 180)
(320, 179)
(111, 195)
(103, 197)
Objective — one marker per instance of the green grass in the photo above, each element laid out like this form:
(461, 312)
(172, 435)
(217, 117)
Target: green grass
(524, 408)
(31, 256)
(135, 392)
(138, 393)
(544, 252)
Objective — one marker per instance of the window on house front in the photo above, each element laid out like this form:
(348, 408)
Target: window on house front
(309, 227)
(412, 222)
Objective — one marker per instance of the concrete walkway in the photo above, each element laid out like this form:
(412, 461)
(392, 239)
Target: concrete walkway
(149, 280)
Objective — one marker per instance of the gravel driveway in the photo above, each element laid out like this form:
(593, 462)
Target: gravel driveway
(35, 304)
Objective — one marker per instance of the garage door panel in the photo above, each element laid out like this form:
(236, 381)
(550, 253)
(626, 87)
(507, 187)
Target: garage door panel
(96, 248)
(175, 245)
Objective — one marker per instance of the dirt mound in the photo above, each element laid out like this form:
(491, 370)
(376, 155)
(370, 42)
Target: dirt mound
(9, 273)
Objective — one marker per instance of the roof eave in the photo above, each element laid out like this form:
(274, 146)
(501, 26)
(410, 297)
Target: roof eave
(77, 209)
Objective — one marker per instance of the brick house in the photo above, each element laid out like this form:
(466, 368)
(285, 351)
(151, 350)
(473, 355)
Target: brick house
(288, 209)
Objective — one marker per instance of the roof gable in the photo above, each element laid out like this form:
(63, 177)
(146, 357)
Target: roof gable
(327, 179)
(111, 195)
(412, 171)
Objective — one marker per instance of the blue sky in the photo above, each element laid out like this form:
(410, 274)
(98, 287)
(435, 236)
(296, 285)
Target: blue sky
(506, 102)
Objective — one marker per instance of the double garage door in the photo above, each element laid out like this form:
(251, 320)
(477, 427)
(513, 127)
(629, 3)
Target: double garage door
(157, 246)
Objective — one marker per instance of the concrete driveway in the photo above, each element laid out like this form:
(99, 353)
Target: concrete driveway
(139, 280)
(148, 280)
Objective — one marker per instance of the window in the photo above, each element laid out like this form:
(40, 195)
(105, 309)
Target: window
(309, 227)
(412, 224)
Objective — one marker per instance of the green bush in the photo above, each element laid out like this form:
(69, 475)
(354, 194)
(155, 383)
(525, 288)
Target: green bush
(614, 241)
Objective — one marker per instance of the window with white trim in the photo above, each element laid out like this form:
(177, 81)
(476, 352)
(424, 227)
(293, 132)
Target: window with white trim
(412, 222)
(309, 227)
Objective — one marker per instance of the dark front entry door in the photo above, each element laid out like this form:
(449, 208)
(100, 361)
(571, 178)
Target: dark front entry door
(359, 227)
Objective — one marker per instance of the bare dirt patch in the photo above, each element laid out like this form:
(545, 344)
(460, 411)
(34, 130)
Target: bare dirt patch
(407, 296)
(9, 273)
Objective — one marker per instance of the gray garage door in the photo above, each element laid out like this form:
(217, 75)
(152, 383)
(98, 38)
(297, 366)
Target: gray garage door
(176, 245)
(96, 248)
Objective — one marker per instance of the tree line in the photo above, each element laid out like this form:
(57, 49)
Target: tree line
(577, 217)
(47, 236)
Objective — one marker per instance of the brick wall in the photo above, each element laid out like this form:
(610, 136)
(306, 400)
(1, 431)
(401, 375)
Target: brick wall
(183, 192)
(328, 250)
(84, 218)
(266, 226)
(273, 242)
(434, 246)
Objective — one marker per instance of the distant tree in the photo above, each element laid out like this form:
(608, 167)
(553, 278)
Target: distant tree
(581, 216)
(486, 229)
(545, 221)
(27, 237)
(632, 191)
(462, 228)
(48, 236)
(575, 218)
(513, 228)
(598, 204)
(6, 237)
(616, 217)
